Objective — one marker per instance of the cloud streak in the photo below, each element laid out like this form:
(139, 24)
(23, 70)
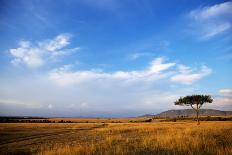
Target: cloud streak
(138, 55)
(210, 21)
(159, 69)
(187, 76)
(64, 76)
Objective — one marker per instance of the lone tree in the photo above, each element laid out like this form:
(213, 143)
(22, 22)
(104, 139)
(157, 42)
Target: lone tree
(195, 101)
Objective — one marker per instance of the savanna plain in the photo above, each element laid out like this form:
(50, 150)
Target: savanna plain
(105, 138)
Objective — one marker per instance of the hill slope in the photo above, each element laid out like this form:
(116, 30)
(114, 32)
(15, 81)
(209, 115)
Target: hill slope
(191, 112)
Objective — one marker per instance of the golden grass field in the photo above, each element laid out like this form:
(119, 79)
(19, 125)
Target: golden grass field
(117, 138)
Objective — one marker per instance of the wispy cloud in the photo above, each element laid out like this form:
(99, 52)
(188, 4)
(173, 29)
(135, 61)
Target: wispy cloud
(64, 76)
(210, 21)
(216, 10)
(137, 55)
(36, 55)
(215, 29)
(13, 102)
(57, 43)
(187, 76)
(157, 70)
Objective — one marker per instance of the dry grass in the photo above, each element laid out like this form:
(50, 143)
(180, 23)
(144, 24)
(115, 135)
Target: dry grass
(161, 138)
(119, 138)
(155, 138)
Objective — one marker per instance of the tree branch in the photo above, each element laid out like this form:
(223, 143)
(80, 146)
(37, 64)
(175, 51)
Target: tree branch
(200, 106)
(193, 107)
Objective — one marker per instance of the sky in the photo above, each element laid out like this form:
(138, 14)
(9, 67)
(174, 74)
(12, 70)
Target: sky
(112, 58)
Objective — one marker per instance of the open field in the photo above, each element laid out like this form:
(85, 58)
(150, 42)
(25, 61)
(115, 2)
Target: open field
(116, 138)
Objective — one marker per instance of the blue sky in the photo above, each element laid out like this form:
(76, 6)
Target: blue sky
(115, 58)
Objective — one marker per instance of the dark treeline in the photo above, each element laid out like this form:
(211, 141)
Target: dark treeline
(25, 121)
(10, 120)
(21, 117)
(141, 121)
(209, 118)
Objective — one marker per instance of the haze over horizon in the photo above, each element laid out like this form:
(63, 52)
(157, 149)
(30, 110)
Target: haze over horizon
(112, 58)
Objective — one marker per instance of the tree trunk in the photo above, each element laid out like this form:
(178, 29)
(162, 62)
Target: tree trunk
(198, 108)
(198, 122)
(197, 111)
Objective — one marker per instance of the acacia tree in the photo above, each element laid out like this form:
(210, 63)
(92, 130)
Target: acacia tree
(195, 101)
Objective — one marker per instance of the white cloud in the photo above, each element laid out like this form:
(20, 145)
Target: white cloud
(188, 76)
(213, 20)
(184, 69)
(57, 43)
(37, 55)
(226, 92)
(158, 66)
(27, 55)
(158, 69)
(215, 29)
(212, 11)
(155, 71)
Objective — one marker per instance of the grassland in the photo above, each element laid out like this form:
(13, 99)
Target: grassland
(116, 138)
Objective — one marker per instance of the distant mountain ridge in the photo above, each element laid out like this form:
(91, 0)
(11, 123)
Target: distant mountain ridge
(190, 113)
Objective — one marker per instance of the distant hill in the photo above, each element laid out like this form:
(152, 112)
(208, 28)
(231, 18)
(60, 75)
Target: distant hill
(190, 113)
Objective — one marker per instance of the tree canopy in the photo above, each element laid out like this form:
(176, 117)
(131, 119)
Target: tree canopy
(194, 100)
